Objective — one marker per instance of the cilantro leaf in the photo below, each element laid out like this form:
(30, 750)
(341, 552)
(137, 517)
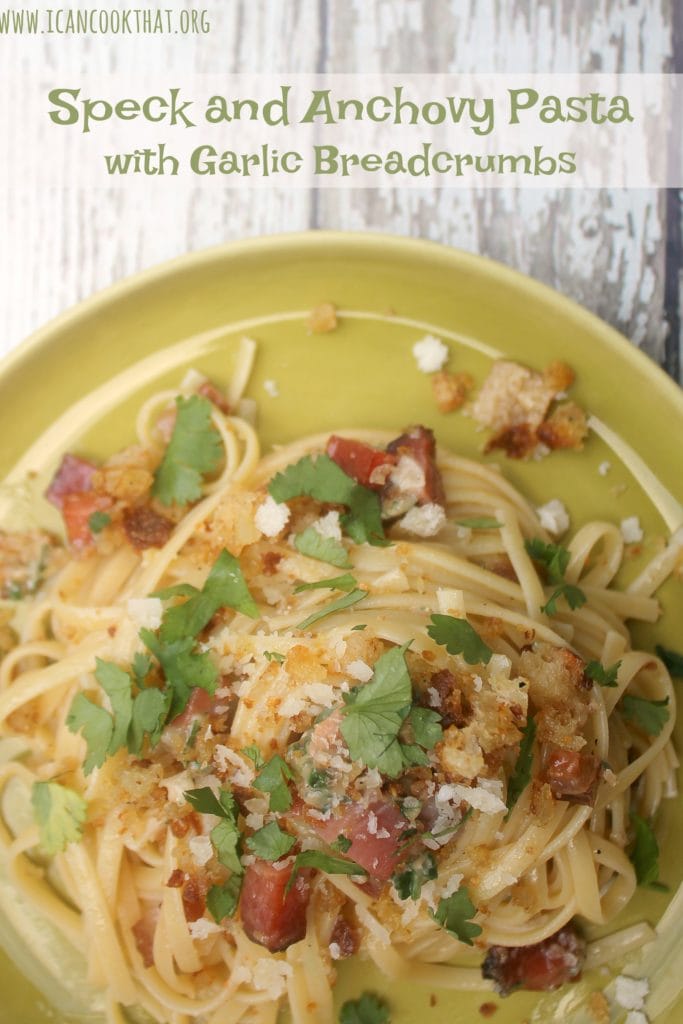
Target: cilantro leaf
(141, 666)
(254, 754)
(270, 842)
(177, 590)
(59, 814)
(150, 709)
(272, 779)
(479, 523)
(193, 451)
(553, 557)
(97, 727)
(341, 843)
(375, 712)
(366, 1010)
(672, 659)
(97, 521)
(644, 854)
(335, 606)
(459, 637)
(574, 597)
(346, 582)
(409, 881)
(222, 900)
(324, 549)
(426, 726)
(274, 656)
(322, 479)
(521, 774)
(205, 801)
(225, 839)
(359, 627)
(117, 685)
(225, 836)
(225, 587)
(182, 668)
(455, 914)
(649, 715)
(600, 675)
(323, 862)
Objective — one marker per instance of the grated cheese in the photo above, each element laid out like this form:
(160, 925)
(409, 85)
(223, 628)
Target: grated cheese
(328, 526)
(553, 517)
(630, 993)
(201, 849)
(359, 670)
(479, 797)
(202, 928)
(430, 354)
(224, 757)
(271, 388)
(146, 612)
(271, 517)
(604, 468)
(424, 520)
(631, 530)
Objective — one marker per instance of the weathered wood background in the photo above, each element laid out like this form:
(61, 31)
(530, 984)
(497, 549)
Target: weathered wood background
(618, 253)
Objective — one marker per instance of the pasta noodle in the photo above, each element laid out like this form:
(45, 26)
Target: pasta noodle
(122, 891)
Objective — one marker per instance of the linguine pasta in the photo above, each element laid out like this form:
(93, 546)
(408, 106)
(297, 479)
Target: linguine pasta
(467, 867)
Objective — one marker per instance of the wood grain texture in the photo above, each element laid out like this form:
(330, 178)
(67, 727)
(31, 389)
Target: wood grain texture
(606, 249)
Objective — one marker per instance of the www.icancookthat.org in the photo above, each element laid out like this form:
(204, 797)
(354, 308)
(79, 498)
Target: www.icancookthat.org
(103, 21)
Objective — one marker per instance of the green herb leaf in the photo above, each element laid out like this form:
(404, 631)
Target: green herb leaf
(322, 479)
(672, 659)
(336, 606)
(177, 590)
(644, 854)
(409, 881)
(117, 685)
(601, 675)
(274, 656)
(205, 801)
(194, 450)
(182, 668)
(324, 862)
(225, 587)
(97, 521)
(479, 523)
(59, 814)
(426, 726)
(574, 597)
(455, 915)
(649, 715)
(341, 843)
(270, 842)
(366, 1010)
(324, 549)
(150, 710)
(222, 900)
(142, 663)
(96, 726)
(553, 557)
(346, 582)
(254, 754)
(273, 780)
(459, 637)
(225, 839)
(375, 712)
(521, 775)
(359, 627)
(191, 739)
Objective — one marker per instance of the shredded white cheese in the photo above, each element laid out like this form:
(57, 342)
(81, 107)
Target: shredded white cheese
(202, 928)
(201, 849)
(631, 530)
(424, 520)
(224, 757)
(269, 975)
(328, 526)
(146, 612)
(271, 388)
(631, 993)
(408, 475)
(478, 797)
(359, 670)
(271, 517)
(335, 951)
(604, 468)
(430, 354)
(553, 517)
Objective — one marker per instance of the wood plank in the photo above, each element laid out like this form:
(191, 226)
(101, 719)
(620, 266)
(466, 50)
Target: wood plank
(604, 248)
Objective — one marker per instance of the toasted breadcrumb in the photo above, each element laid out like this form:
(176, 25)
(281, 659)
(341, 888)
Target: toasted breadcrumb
(558, 376)
(598, 1008)
(451, 389)
(566, 427)
(322, 319)
(512, 395)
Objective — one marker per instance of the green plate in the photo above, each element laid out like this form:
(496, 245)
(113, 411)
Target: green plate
(145, 332)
